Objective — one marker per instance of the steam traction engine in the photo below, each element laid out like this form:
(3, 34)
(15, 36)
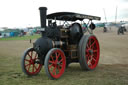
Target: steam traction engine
(60, 45)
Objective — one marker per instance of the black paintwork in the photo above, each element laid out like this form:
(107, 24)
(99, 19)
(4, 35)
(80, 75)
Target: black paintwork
(52, 34)
(71, 16)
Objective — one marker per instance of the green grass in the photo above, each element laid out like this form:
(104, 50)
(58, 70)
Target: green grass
(11, 74)
(27, 37)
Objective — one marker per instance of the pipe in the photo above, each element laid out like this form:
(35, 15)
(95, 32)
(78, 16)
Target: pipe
(58, 43)
(43, 16)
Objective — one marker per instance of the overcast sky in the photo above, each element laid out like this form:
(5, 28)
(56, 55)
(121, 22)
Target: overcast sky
(22, 13)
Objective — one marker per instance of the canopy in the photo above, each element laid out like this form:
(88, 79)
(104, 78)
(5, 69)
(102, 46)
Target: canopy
(70, 16)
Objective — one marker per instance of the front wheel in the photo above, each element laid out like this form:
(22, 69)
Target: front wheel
(31, 63)
(55, 63)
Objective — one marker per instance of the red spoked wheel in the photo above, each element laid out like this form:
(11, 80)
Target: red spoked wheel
(31, 63)
(89, 52)
(55, 63)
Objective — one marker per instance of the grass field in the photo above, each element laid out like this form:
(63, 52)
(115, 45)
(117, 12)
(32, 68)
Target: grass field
(112, 68)
(28, 37)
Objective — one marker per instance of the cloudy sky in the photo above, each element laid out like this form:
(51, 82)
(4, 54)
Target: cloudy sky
(22, 13)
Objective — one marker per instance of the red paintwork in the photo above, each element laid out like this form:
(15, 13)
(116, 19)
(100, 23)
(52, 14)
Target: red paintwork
(56, 64)
(30, 65)
(92, 58)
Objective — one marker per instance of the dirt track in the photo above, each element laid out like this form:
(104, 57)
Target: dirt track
(113, 47)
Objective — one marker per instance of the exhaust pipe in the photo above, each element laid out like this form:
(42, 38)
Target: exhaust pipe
(43, 16)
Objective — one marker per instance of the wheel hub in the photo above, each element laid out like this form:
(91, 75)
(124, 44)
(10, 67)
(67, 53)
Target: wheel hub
(56, 64)
(31, 61)
(91, 51)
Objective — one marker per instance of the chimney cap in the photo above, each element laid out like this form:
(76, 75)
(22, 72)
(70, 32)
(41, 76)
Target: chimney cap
(42, 8)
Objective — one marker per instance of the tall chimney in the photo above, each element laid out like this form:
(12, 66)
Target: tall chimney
(43, 16)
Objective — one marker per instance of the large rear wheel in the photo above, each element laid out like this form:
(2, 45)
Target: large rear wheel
(55, 63)
(31, 64)
(89, 52)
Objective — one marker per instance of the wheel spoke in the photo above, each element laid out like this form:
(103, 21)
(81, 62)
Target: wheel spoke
(51, 62)
(90, 64)
(27, 60)
(37, 59)
(35, 56)
(33, 68)
(94, 50)
(87, 50)
(92, 44)
(94, 59)
(87, 57)
(54, 70)
(58, 56)
(61, 60)
(27, 65)
(31, 53)
(52, 58)
(91, 57)
(88, 46)
(30, 56)
(61, 65)
(50, 66)
(89, 41)
(59, 68)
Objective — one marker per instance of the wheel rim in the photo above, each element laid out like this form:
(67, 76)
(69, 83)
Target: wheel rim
(32, 63)
(56, 64)
(92, 52)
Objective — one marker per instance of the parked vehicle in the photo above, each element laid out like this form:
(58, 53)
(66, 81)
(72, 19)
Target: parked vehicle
(60, 45)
